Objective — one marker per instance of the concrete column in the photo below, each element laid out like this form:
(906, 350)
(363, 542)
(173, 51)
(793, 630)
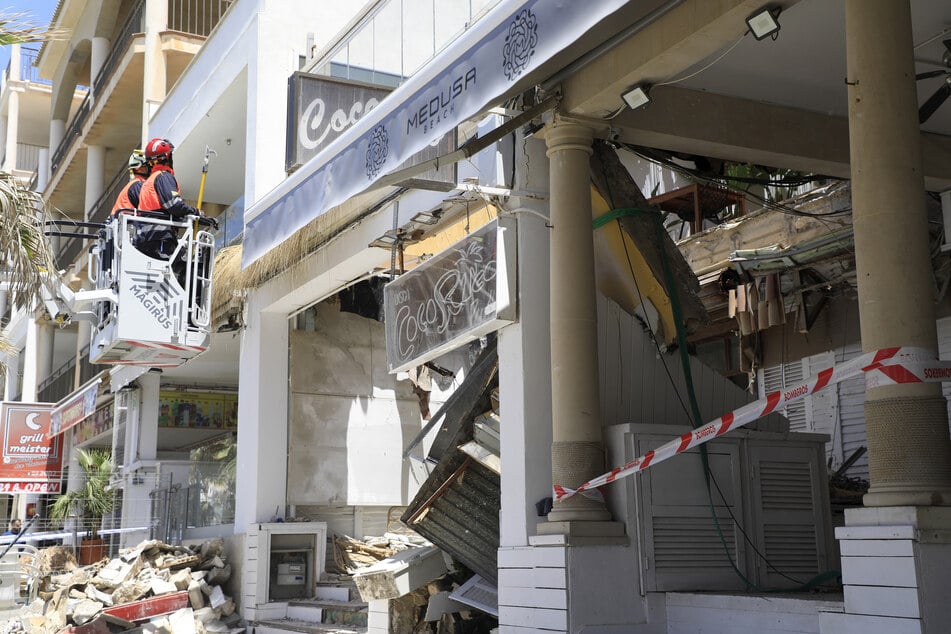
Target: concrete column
(525, 361)
(12, 131)
(143, 440)
(577, 451)
(83, 334)
(95, 175)
(57, 132)
(15, 62)
(154, 76)
(11, 385)
(99, 53)
(43, 170)
(38, 361)
(261, 484)
(5, 165)
(907, 425)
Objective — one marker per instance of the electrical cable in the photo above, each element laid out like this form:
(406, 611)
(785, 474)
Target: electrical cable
(695, 73)
(818, 579)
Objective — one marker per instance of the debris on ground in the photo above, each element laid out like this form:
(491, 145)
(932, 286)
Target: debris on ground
(153, 587)
(410, 595)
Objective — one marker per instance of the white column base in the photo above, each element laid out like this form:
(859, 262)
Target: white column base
(895, 563)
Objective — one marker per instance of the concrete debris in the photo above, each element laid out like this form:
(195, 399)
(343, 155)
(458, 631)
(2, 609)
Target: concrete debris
(153, 587)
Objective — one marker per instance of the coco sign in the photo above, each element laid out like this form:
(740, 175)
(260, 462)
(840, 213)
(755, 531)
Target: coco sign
(32, 461)
(321, 108)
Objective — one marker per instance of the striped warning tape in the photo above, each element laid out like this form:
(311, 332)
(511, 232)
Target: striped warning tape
(888, 366)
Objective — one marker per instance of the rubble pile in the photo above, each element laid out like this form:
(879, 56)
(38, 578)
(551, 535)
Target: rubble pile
(350, 554)
(153, 587)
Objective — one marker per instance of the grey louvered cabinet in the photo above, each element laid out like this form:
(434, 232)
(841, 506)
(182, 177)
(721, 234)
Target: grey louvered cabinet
(770, 496)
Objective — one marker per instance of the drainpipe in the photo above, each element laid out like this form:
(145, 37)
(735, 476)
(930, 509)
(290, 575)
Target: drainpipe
(907, 425)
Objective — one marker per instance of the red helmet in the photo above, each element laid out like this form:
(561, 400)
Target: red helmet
(158, 149)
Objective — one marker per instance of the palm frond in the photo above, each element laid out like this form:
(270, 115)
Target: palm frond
(24, 249)
(19, 28)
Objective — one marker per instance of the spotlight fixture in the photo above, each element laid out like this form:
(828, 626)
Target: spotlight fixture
(764, 23)
(387, 241)
(637, 97)
(427, 217)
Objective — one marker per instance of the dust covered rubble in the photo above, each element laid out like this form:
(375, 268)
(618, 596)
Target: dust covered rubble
(79, 595)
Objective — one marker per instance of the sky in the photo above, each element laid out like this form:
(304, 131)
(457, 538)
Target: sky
(40, 12)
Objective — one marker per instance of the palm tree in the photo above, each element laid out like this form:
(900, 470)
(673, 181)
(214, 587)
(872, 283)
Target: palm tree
(23, 248)
(94, 498)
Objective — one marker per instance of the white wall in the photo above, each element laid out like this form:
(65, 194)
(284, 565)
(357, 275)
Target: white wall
(349, 418)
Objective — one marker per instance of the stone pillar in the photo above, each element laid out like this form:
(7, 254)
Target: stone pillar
(95, 176)
(577, 450)
(907, 425)
(525, 362)
(261, 483)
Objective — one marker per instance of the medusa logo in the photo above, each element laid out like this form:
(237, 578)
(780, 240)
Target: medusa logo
(376, 152)
(519, 44)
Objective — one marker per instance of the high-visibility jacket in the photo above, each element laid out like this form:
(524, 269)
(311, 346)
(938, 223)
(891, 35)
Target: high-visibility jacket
(160, 192)
(128, 198)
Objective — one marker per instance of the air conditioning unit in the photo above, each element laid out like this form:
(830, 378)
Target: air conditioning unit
(771, 500)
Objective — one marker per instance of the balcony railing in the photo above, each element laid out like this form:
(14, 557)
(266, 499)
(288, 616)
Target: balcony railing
(28, 72)
(28, 157)
(198, 17)
(60, 384)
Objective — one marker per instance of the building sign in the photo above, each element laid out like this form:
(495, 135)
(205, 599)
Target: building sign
(99, 423)
(32, 460)
(497, 56)
(198, 410)
(459, 295)
(74, 409)
(321, 108)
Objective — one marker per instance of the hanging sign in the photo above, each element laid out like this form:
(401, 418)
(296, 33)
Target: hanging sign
(32, 461)
(491, 59)
(457, 296)
(73, 409)
(321, 108)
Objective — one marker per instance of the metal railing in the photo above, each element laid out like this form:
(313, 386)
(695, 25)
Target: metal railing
(197, 17)
(178, 507)
(28, 157)
(60, 383)
(28, 71)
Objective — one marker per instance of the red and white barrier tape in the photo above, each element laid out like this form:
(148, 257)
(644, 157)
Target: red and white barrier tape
(888, 366)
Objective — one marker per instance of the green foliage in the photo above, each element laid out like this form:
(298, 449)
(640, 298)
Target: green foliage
(93, 498)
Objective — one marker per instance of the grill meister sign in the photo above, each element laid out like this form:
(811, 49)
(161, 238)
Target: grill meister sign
(32, 460)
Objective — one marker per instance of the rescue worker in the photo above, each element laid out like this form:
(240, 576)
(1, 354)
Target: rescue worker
(160, 195)
(128, 198)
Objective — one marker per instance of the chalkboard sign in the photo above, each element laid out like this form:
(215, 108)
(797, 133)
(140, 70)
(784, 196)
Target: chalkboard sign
(459, 295)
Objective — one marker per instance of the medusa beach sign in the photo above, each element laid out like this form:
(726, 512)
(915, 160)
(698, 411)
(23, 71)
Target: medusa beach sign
(459, 295)
(32, 461)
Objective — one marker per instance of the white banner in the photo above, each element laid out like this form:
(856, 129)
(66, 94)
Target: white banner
(470, 75)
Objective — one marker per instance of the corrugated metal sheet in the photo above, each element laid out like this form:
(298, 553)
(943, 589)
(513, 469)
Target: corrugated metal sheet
(461, 515)
(457, 508)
